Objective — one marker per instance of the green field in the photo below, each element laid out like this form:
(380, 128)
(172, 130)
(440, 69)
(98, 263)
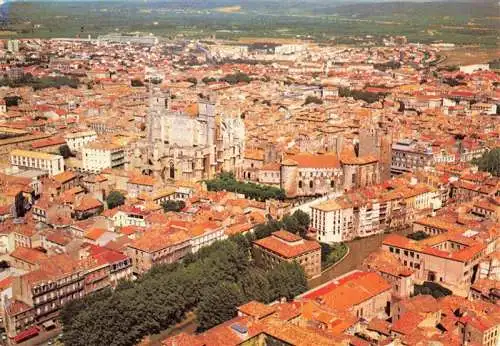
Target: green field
(460, 23)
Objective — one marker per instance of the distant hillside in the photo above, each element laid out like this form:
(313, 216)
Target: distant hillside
(345, 20)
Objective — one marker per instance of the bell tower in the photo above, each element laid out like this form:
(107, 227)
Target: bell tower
(155, 124)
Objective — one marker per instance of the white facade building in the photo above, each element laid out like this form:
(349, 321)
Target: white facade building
(52, 164)
(76, 141)
(99, 156)
(206, 237)
(333, 220)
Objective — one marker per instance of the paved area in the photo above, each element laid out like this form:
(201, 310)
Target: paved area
(44, 338)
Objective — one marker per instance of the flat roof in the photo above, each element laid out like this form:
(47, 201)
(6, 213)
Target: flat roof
(35, 154)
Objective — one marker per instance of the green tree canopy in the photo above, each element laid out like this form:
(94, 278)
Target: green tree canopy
(173, 205)
(313, 99)
(490, 162)
(287, 280)
(219, 304)
(65, 151)
(115, 199)
(227, 182)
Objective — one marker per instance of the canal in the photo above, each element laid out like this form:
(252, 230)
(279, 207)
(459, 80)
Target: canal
(359, 249)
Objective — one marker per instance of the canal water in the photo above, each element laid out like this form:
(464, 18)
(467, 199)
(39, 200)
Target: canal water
(359, 249)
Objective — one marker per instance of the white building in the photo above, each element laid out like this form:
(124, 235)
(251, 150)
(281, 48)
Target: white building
(77, 140)
(25, 159)
(204, 235)
(333, 220)
(98, 156)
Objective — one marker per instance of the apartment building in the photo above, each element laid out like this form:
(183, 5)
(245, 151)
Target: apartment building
(158, 247)
(372, 210)
(333, 220)
(409, 155)
(42, 292)
(284, 246)
(26, 159)
(98, 156)
(204, 234)
(365, 295)
(450, 259)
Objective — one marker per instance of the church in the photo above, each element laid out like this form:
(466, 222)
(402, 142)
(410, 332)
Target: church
(189, 146)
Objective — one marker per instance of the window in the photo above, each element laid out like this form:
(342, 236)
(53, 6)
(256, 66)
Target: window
(300, 184)
(311, 184)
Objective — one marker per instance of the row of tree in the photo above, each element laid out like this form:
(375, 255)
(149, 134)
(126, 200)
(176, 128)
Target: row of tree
(227, 182)
(213, 282)
(366, 96)
(235, 78)
(390, 65)
(40, 83)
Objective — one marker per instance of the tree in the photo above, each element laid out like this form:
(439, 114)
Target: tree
(256, 286)
(236, 78)
(173, 205)
(11, 101)
(208, 80)
(490, 162)
(297, 223)
(366, 96)
(303, 219)
(226, 182)
(219, 305)
(313, 99)
(65, 151)
(192, 80)
(115, 199)
(420, 235)
(20, 204)
(137, 83)
(287, 280)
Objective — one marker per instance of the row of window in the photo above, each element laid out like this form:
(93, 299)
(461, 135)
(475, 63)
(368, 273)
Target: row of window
(405, 252)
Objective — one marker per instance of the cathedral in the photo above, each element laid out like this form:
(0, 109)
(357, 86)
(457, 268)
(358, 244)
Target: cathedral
(192, 145)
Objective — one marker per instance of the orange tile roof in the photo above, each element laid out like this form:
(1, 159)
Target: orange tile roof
(286, 249)
(87, 203)
(407, 323)
(307, 160)
(142, 180)
(384, 261)
(287, 236)
(28, 255)
(356, 291)
(94, 233)
(156, 240)
(256, 309)
(64, 177)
